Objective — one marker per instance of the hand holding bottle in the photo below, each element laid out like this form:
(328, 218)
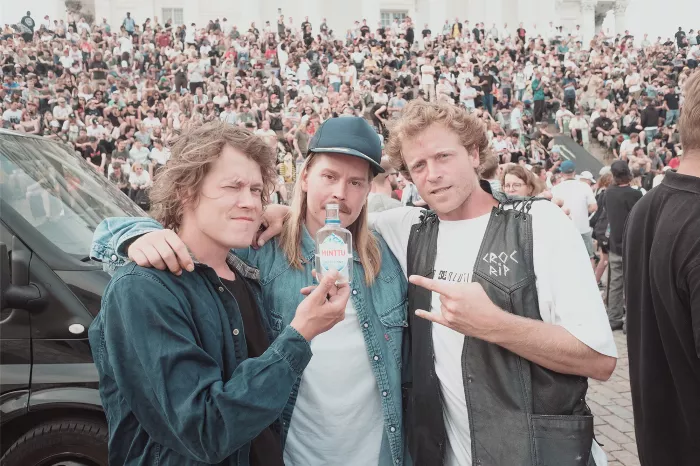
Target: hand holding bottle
(322, 308)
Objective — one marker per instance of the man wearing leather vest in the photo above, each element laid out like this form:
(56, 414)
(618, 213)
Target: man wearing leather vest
(506, 320)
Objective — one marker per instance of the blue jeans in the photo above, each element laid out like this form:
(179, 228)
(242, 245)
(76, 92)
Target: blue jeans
(336, 86)
(672, 116)
(488, 103)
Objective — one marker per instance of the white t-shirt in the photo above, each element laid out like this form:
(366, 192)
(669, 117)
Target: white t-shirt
(577, 196)
(151, 123)
(125, 44)
(516, 119)
(333, 73)
(160, 156)
(13, 116)
(303, 71)
(338, 407)
(427, 74)
(66, 61)
(568, 296)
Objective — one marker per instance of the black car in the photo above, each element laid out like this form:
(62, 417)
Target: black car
(51, 201)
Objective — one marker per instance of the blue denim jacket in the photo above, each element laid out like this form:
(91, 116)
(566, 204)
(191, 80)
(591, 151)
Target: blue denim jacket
(381, 311)
(176, 382)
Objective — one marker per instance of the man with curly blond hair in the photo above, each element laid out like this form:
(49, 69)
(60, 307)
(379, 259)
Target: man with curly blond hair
(506, 320)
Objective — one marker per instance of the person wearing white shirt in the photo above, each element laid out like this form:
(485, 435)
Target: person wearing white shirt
(159, 156)
(96, 130)
(267, 134)
(138, 153)
(225, 27)
(304, 88)
(303, 70)
(62, 111)
(516, 117)
(579, 199)
(220, 99)
(126, 45)
(334, 76)
(569, 306)
(628, 146)
(151, 122)
(577, 125)
(467, 95)
(282, 57)
(66, 59)
(500, 148)
(427, 81)
(189, 34)
(228, 116)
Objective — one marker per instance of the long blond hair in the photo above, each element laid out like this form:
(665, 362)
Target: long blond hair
(365, 243)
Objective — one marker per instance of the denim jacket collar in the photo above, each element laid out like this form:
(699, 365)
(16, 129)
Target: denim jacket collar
(237, 264)
(308, 246)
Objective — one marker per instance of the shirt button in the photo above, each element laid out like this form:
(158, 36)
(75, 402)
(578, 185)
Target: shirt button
(392, 429)
(376, 358)
(235, 331)
(384, 393)
(365, 325)
(221, 289)
(114, 257)
(354, 291)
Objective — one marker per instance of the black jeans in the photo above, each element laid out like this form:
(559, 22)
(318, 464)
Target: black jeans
(539, 110)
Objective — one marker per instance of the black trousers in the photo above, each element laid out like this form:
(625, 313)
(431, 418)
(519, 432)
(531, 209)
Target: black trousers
(539, 110)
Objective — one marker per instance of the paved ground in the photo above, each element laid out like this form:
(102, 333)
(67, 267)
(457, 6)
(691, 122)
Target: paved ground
(610, 401)
(611, 404)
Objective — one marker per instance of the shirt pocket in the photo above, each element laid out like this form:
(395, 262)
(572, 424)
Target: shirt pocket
(276, 322)
(395, 322)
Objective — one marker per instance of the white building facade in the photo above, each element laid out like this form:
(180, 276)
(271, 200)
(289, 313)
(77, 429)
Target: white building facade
(535, 15)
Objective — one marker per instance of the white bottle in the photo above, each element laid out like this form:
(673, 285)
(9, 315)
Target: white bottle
(334, 247)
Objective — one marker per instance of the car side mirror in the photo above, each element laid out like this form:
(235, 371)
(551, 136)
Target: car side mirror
(27, 297)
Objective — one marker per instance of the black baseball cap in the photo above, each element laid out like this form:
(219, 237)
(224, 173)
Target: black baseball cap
(349, 136)
(620, 169)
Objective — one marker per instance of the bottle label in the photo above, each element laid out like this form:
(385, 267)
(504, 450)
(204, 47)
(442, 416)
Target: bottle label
(333, 253)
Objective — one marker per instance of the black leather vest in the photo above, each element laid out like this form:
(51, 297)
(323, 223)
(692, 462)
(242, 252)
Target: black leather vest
(520, 414)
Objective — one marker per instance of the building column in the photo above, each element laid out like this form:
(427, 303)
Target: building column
(620, 9)
(370, 12)
(588, 21)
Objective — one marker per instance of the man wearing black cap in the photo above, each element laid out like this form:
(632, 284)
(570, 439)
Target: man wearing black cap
(350, 394)
(619, 200)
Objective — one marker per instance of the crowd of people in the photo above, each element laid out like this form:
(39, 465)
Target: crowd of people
(119, 93)
(461, 120)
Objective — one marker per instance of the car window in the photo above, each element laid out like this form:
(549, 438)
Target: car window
(57, 192)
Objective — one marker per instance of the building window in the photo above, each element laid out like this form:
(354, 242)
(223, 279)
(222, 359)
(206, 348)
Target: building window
(389, 16)
(174, 14)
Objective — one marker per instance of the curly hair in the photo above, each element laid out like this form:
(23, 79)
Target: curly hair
(179, 182)
(419, 115)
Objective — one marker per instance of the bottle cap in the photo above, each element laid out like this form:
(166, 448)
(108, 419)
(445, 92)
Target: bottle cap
(332, 213)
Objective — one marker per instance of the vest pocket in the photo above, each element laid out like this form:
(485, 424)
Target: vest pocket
(562, 440)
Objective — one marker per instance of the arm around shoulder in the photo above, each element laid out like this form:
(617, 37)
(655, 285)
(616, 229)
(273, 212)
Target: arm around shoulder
(173, 385)
(113, 236)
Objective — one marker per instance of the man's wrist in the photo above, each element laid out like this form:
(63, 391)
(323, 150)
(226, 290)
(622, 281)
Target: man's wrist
(303, 329)
(499, 329)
